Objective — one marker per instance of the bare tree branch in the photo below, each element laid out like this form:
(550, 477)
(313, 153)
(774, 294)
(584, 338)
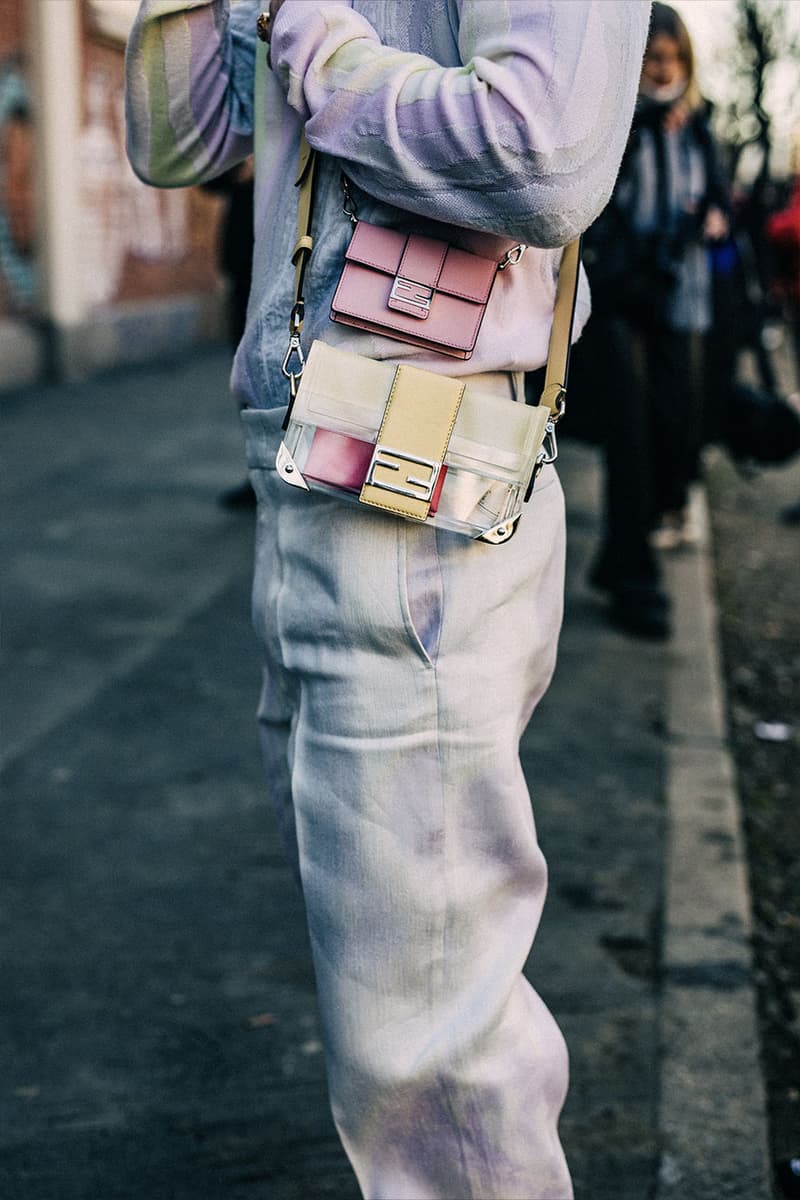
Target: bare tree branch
(763, 39)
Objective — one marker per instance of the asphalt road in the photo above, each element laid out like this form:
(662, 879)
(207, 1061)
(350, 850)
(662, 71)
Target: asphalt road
(159, 1028)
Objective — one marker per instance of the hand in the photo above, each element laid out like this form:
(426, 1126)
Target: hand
(245, 171)
(715, 226)
(677, 116)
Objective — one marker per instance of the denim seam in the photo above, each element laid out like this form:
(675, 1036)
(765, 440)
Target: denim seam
(280, 589)
(449, 1098)
(438, 973)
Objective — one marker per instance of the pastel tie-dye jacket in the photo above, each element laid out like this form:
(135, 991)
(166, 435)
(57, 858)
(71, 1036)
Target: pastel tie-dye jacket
(486, 122)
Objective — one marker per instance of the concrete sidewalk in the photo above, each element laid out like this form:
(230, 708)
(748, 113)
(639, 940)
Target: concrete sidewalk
(159, 1022)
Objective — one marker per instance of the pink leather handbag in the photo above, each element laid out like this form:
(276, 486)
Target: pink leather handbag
(415, 289)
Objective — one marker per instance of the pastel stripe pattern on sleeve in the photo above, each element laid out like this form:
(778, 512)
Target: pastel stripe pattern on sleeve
(189, 90)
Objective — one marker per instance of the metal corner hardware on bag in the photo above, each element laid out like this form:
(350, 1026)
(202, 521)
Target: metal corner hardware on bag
(288, 470)
(412, 296)
(500, 533)
(412, 486)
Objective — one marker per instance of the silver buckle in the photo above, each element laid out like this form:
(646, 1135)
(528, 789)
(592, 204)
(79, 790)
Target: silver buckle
(500, 533)
(417, 295)
(288, 469)
(549, 450)
(415, 488)
(295, 349)
(512, 256)
(548, 453)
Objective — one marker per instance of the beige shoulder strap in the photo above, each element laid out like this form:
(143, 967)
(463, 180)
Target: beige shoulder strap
(554, 391)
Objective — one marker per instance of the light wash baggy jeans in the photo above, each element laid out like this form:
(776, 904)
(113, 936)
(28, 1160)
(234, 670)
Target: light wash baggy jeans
(402, 664)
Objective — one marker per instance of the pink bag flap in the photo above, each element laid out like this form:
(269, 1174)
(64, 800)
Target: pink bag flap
(423, 260)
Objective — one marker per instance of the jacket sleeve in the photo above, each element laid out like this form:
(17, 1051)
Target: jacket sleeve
(523, 139)
(717, 192)
(189, 70)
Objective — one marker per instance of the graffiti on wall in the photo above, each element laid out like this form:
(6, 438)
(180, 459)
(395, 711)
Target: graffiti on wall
(18, 286)
(17, 251)
(121, 216)
(137, 241)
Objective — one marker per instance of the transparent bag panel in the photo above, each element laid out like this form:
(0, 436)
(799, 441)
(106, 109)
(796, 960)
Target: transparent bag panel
(348, 393)
(465, 501)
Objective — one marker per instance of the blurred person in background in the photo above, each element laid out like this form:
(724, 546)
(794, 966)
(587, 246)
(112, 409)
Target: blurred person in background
(648, 264)
(783, 234)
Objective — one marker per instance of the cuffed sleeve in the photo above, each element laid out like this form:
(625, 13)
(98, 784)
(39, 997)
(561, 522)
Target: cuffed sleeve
(189, 89)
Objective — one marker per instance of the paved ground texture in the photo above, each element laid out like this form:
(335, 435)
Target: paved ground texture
(159, 1030)
(758, 572)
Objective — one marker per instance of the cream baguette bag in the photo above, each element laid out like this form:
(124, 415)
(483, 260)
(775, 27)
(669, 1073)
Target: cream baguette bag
(417, 444)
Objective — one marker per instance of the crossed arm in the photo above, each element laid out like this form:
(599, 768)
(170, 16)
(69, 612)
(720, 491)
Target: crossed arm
(524, 138)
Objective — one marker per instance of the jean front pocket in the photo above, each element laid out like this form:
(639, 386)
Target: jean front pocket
(421, 590)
